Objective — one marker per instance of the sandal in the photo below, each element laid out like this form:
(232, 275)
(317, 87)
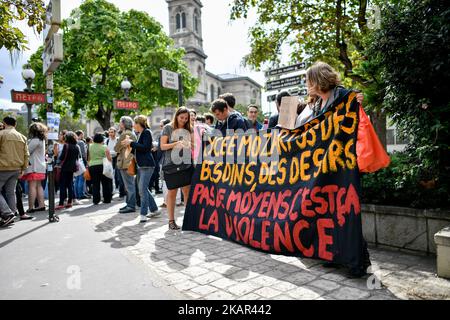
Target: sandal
(173, 225)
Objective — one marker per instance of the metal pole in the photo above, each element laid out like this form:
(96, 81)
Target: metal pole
(29, 106)
(180, 90)
(50, 172)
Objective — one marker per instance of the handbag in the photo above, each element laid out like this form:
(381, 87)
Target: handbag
(81, 169)
(132, 167)
(58, 168)
(108, 170)
(177, 176)
(87, 175)
(370, 153)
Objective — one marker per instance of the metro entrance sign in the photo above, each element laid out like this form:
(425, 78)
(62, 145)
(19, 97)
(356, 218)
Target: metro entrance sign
(125, 105)
(27, 97)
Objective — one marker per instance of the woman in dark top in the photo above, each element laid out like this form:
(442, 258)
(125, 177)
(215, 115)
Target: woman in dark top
(145, 165)
(68, 160)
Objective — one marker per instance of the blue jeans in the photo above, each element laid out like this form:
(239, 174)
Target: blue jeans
(147, 201)
(79, 187)
(129, 183)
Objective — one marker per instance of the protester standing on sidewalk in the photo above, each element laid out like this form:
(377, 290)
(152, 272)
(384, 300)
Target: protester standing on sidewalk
(36, 172)
(13, 162)
(80, 182)
(68, 162)
(145, 165)
(177, 175)
(111, 143)
(97, 152)
(252, 115)
(227, 119)
(123, 162)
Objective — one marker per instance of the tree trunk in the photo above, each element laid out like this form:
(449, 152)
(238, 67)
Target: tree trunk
(103, 118)
(379, 123)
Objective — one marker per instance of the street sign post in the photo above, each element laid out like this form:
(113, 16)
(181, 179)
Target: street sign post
(51, 59)
(286, 82)
(174, 81)
(284, 70)
(28, 97)
(52, 19)
(53, 54)
(125, 105)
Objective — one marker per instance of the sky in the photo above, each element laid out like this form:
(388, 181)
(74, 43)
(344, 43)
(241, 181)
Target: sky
(217, 31)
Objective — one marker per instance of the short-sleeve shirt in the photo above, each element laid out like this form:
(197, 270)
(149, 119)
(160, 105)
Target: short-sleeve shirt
(168, 131)
(96, 154)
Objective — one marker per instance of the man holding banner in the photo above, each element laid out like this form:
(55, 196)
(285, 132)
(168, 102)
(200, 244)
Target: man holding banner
(304, 200)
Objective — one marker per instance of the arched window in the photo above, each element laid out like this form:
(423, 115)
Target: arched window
(183, 20)
(219, 91)
(178, 21)
(212, 92)
(196, 23)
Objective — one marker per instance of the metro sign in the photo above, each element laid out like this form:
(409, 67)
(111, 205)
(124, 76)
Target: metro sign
(126, 105)
(28, 97)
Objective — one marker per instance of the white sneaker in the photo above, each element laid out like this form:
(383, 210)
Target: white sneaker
(76, 202)
(143, 219)
(154, 214)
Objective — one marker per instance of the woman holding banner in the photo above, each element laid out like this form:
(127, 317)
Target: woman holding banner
(176, 144)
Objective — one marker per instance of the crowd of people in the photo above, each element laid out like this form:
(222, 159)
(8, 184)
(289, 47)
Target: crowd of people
(129, 158)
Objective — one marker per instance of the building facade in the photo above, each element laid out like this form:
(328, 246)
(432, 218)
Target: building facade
(185, 28)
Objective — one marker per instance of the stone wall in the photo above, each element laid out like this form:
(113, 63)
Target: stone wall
(403, 228)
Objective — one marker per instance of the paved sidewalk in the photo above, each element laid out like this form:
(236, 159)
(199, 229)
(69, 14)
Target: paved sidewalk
(206, 267)
(68, 260)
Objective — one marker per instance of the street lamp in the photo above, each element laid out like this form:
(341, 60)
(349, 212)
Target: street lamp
(126, 86)
(28, 75)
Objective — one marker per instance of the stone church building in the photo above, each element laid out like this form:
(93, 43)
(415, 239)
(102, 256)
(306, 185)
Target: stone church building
(185, 28)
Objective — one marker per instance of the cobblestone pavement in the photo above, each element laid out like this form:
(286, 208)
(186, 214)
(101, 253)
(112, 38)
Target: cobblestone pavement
(206, 267)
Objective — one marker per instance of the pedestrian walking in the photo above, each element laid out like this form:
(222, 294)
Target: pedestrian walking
(141, 150)
(13, 162)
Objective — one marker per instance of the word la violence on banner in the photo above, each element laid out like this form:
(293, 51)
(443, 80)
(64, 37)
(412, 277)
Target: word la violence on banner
(126, 105)
(304, 204)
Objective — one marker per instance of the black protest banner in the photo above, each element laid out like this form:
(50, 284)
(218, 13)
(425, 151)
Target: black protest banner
(304, 202)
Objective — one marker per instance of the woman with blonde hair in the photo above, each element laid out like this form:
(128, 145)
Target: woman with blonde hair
(145, 166)
(176, 142)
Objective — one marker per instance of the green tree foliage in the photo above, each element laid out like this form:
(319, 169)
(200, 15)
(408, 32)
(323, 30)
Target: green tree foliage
(411, 52)
(21, 121)
(103, 48)
(12, 11)
(313, 30)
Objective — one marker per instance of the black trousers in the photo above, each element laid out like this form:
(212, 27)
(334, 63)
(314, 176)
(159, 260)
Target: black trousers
(66, 187)
(118, 179)
(97, 179)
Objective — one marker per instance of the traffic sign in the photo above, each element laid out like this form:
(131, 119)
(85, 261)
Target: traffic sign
(125, 105)
(169, 79)
(52, 19)
(286, 82)
(284, 70)
(28, 97)
(53, 54)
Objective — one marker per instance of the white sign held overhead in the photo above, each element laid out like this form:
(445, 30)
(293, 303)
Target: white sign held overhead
(53, 54)
(169, 79)
(52, 19)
